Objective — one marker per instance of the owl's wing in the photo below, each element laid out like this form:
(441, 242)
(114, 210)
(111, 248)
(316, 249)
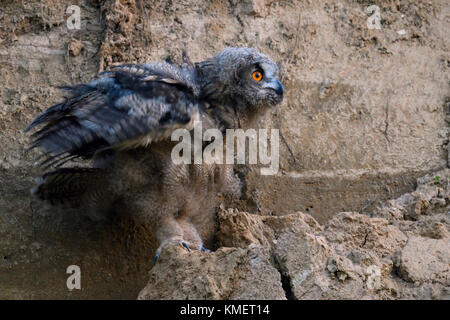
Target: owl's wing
(127, 107)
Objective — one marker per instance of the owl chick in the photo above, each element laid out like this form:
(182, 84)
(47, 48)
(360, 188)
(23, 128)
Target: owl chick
(123, 119)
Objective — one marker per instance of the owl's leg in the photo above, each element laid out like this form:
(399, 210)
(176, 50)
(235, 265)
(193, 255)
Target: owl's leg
(191, 234)
(147, 206)
(169, 231)
(232, 184)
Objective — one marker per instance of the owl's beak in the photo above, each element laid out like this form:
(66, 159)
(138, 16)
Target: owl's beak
(279, 88)
(275, 85)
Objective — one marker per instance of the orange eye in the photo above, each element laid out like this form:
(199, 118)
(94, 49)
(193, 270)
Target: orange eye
(257, 75)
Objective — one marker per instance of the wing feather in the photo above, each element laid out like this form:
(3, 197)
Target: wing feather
(126, 107)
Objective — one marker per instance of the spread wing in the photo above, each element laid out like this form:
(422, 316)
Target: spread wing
(127, 107)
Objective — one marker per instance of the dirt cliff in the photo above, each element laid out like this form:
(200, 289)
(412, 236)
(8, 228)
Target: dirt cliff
(365, 117)
(387, 254)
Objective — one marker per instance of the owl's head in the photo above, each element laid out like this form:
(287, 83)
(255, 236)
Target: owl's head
(242, 74)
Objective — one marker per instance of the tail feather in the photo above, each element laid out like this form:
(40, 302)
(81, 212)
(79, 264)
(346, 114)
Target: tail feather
(68, 185)
(50, 114)
(60, 110)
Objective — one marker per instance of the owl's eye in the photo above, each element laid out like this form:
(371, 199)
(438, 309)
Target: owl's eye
(257, 75)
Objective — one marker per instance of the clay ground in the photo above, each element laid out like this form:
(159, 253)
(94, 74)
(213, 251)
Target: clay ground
(348, 215)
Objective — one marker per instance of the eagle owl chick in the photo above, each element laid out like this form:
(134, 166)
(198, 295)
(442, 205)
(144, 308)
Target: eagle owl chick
(123, 120)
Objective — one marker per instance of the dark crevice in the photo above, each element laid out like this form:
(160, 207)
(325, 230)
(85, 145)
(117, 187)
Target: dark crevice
(285, 280)
(447, 119)
(288, 147)
(286, 284)
(365, 238)
(386, 121)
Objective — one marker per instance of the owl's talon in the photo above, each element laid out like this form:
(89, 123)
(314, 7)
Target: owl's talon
(203, 249)
(185, 245)
(182, 243)
(155, 258)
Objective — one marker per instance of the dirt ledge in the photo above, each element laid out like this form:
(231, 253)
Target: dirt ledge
(386, 255)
